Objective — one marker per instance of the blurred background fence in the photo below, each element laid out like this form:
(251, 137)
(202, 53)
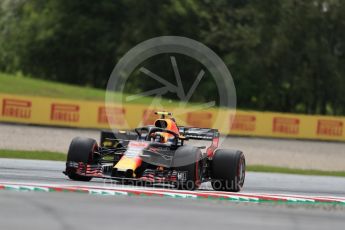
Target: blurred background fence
(86, 114)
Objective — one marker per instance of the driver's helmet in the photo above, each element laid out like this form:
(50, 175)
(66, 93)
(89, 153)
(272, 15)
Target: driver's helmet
(168, 124)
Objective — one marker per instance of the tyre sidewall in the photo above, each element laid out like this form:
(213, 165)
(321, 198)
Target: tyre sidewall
(80, 150)
(226, 166)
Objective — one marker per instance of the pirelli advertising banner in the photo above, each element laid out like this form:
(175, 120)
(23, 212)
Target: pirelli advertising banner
(88, 114)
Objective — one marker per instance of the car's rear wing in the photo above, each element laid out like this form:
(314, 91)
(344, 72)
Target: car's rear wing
(199, 133)
(207, 134)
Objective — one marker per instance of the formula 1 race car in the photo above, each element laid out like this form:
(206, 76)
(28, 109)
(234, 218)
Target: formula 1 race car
(158, 154)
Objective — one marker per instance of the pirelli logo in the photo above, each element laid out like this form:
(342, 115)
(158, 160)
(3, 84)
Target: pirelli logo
(115, 115)
(64, 112)
(330, 128)
(16, 108)
(286, 125)
(243, 122)
(199, 119)
(149, 117)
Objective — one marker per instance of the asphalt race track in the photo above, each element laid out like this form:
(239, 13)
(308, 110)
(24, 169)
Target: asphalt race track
(128, 207)
(74, 211)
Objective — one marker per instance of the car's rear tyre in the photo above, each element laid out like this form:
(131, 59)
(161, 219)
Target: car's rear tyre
(228, 170)
(188, 159)
(81, 150)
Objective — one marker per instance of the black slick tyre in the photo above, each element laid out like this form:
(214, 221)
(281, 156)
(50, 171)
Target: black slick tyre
(228, 170)
(81, 150)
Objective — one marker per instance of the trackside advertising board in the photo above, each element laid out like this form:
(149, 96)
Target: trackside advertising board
(88, 114)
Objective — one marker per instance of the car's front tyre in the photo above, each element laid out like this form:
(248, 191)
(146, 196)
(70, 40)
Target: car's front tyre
(81, 150)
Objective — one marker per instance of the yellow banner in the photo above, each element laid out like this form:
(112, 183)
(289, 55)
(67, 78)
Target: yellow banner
(86, 114)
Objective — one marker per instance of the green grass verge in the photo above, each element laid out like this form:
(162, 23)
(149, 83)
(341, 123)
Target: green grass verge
(272, 169)
(22, 85)
(32, 155)
(55, 156)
